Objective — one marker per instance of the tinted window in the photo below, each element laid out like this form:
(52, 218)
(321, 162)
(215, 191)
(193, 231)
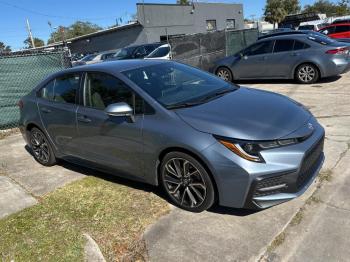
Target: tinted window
(259, 48)
(342, 28)
(319, 38)
(150, 48)
(140, 52)
(172, 84)
(306, 27)
(101, 90)
(65, 89)
(283, 45)
(328, 30)
(47, 91)
(88, 58)
(300, 45)
(160, 52)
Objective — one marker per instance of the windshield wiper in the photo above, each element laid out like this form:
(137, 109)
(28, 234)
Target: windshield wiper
(183, 105)
(216, 94)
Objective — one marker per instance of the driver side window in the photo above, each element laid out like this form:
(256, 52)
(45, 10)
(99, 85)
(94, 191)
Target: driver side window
(101, 90)
(259, 48)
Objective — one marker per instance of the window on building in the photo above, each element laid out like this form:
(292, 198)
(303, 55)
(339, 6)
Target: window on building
(230, 23)
(211, 25)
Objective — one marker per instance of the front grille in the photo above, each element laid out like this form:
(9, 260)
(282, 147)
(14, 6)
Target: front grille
(310, 164)
(268, 182)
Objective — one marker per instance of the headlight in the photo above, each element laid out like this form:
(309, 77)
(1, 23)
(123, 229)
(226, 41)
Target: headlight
(250, 150)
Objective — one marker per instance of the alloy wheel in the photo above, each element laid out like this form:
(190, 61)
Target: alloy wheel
(184, 182)
(40, 147)
(224, 74)
(306, 73)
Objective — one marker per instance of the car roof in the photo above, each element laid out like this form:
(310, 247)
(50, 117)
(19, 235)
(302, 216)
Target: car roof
(333, 25)
(292, 32)
(137, 45)
(115, 66)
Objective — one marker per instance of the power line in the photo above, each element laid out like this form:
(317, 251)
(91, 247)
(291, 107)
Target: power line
(53, 16)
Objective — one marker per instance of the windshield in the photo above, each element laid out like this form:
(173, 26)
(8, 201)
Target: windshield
(306, 27)
(88, 58)
(177, 85)
(320, 38)
(124, 53)
(160, 52)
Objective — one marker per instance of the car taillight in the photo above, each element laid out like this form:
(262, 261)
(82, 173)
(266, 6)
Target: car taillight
(20, 104)
(338, 51)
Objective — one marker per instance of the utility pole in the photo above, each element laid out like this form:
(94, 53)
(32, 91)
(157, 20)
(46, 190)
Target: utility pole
(30, 34)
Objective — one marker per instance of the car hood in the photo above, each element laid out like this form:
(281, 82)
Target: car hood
(248, 114)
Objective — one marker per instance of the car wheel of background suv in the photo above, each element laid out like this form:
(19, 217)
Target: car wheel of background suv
(224, 73)
(41, 148)
(186, 182)
(307, 74)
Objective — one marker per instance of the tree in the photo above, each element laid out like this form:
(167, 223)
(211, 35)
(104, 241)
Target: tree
(291, 6)
(79, 28)
(4, 48)
(37, 42)
(330, 9)
(183, 2)
(274, 11)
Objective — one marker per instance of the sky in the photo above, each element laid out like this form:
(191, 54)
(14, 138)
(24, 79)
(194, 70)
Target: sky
(13, 14)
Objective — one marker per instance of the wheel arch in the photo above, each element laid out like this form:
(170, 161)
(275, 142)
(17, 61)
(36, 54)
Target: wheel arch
(196, 156)
(226, 67)
(315, 64)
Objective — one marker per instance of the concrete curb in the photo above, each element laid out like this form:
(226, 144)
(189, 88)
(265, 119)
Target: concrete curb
(92, 252)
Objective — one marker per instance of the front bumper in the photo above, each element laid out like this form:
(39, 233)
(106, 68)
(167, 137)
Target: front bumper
(286, 174)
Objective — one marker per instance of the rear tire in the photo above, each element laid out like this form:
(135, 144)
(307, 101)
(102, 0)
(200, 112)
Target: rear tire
(186, 182)
(41, 148)
(307, 74)
(225, 74)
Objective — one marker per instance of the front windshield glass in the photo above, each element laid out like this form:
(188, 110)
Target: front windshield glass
(175, 85)
(123, 53)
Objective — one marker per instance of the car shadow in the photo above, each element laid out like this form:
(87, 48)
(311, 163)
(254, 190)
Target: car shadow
(286, 81)
(141, 186)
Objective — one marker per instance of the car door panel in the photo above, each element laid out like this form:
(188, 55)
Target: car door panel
(59, 116)
(111, 141)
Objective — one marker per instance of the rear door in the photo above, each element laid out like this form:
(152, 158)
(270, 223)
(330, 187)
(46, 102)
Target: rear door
(287, 53)
(253, 62)
(57, 104)
(113, 142)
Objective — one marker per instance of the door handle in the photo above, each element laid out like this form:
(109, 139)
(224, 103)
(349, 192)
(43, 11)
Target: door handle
(83, 119)
(45, 110)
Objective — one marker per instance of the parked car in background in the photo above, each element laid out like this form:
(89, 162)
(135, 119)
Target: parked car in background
(95, 58)
(305, 57)
(200, 138)
(162, 52)
(337, 30)
(135, 51)
(312, 25)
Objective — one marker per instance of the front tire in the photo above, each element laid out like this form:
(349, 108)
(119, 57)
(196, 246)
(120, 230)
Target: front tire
(186, 182)
(41, 148)
(307, 74)
(225, 74)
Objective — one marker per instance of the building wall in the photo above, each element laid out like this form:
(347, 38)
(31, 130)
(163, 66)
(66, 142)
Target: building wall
(162, 19)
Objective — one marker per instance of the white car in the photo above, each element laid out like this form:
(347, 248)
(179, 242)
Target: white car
(95, 58)
(162, 52)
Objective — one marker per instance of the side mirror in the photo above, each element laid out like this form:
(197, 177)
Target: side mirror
(120, 109)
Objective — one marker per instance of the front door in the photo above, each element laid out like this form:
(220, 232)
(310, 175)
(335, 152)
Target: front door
(252, 64)
(114, 142)
(57, 104)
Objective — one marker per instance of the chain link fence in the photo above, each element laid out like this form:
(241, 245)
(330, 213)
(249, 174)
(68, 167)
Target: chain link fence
(202, 50)
(20, 72)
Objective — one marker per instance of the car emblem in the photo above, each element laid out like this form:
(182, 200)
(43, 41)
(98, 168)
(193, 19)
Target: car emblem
(310, 126)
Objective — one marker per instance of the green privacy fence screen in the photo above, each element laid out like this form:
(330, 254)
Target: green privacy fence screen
(19, 74)
(237, 40)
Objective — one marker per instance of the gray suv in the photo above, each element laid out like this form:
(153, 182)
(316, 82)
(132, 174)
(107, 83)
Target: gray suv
(305, 57)
(200, 138)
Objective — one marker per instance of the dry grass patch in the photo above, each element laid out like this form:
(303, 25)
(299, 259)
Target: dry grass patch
(114, 215)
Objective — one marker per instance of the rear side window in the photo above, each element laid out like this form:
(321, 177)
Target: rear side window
(283, 45)
(298, 45)
(47, 92)
(102, 90)
(342, 28)
(65, 89)
(62, 89)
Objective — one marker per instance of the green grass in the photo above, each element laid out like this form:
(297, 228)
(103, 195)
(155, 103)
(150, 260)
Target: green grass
(114, 215)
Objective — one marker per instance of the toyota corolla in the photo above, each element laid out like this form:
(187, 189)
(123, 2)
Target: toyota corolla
(202, 139)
